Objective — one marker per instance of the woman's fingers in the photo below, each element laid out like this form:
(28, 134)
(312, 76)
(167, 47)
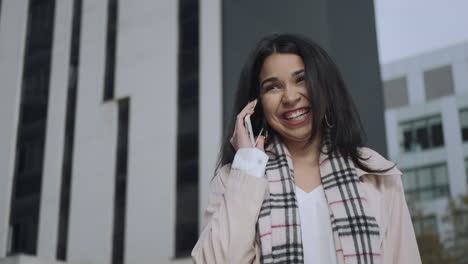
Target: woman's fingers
(247, 110)
(260, 143)
(240, 119)
(240, 137)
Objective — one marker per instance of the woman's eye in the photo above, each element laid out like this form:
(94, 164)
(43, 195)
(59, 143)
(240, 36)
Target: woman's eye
(271, 87)
(300, 79)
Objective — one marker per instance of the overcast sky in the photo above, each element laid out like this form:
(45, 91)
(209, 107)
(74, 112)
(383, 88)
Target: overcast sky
(410, 27)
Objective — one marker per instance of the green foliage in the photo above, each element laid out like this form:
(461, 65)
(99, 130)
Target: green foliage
(454, 248)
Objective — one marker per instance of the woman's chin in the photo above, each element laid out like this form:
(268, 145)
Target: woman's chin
(296, 137)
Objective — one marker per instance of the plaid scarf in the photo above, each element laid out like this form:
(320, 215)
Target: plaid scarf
(355, 230)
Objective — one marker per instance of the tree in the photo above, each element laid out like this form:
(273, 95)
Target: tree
(457, 217)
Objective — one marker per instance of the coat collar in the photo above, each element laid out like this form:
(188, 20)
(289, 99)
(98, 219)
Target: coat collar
(374, 161)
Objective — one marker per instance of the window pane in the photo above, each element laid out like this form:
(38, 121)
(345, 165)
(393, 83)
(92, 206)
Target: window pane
(187, 203)
(412, 196)
(466, 170)
(464, 124)
(440, 175)
(426, 183)
(404, 179)
(406, 136)
(437, 135)
(409, 179)
(424, 178)
(407, 140)
(422, 134)
(24, 219)
(426, 194)
(435, 126)
(422, 137)
(464, 118)
(465, 134)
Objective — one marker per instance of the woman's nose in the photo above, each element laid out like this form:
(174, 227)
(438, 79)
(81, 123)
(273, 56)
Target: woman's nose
(291, 96)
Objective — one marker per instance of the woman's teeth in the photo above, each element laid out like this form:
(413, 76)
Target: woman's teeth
(297, 115)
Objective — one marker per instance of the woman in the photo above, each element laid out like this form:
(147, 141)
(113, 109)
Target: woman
(308, 191)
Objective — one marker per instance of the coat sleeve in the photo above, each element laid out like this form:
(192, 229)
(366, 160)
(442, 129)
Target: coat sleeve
(228, 233)
(399, 244)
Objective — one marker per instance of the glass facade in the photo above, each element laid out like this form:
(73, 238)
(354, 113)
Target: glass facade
(111, 45)
(187, 138)
(464, 124)
(25, 202)
(426, 183)
(121, 165)
(466, 170)
(421, 134)
(425, 225)
(69, 131)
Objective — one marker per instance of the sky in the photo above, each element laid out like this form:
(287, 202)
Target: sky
(410, 27)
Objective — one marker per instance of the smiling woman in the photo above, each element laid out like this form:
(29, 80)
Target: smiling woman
(287, 72)
(311, 192)
(284, 97)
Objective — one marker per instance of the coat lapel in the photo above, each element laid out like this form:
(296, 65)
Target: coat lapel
(283, 210)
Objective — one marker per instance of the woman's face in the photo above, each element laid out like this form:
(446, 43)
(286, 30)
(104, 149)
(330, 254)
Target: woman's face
(284, 96)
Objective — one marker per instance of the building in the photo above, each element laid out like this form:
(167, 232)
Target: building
(426, 118)
(112, 114)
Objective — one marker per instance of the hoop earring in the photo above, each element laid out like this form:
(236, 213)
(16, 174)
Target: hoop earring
(265, 128)
(326, 121)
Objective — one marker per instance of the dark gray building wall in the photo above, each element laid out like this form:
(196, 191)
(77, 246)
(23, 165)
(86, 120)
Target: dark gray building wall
(345, 29)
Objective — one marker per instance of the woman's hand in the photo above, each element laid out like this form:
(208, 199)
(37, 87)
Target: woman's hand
(240, 137)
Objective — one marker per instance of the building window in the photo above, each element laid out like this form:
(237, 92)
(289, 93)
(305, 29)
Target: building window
(425, 225)
(461, 228)
(426, 183)
(395, 92)
(186, 232)
(111, 48)
(25, 200)
(120, 202)
(421, 134)
(466, 170)
(464, 124)
(438, 82)
(69, 133)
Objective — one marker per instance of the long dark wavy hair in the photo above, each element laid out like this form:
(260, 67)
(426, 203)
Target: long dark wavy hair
(327, 92)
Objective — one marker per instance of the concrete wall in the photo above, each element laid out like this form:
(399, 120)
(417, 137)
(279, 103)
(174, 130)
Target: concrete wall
(345, 29)
(146, 73)
(12, 46)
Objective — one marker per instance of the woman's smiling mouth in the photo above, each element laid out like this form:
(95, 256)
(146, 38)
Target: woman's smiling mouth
(296, 117)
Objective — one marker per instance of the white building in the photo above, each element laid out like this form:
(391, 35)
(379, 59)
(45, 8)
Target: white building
(426, 101)
(112, 113)
(89, 128)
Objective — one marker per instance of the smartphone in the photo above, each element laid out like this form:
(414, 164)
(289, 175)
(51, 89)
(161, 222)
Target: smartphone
(248, 125)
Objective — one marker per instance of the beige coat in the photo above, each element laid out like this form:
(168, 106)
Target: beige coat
(228, 234)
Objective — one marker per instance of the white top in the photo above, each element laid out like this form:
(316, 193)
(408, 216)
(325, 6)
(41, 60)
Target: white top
(250, 160)
(317, 236)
